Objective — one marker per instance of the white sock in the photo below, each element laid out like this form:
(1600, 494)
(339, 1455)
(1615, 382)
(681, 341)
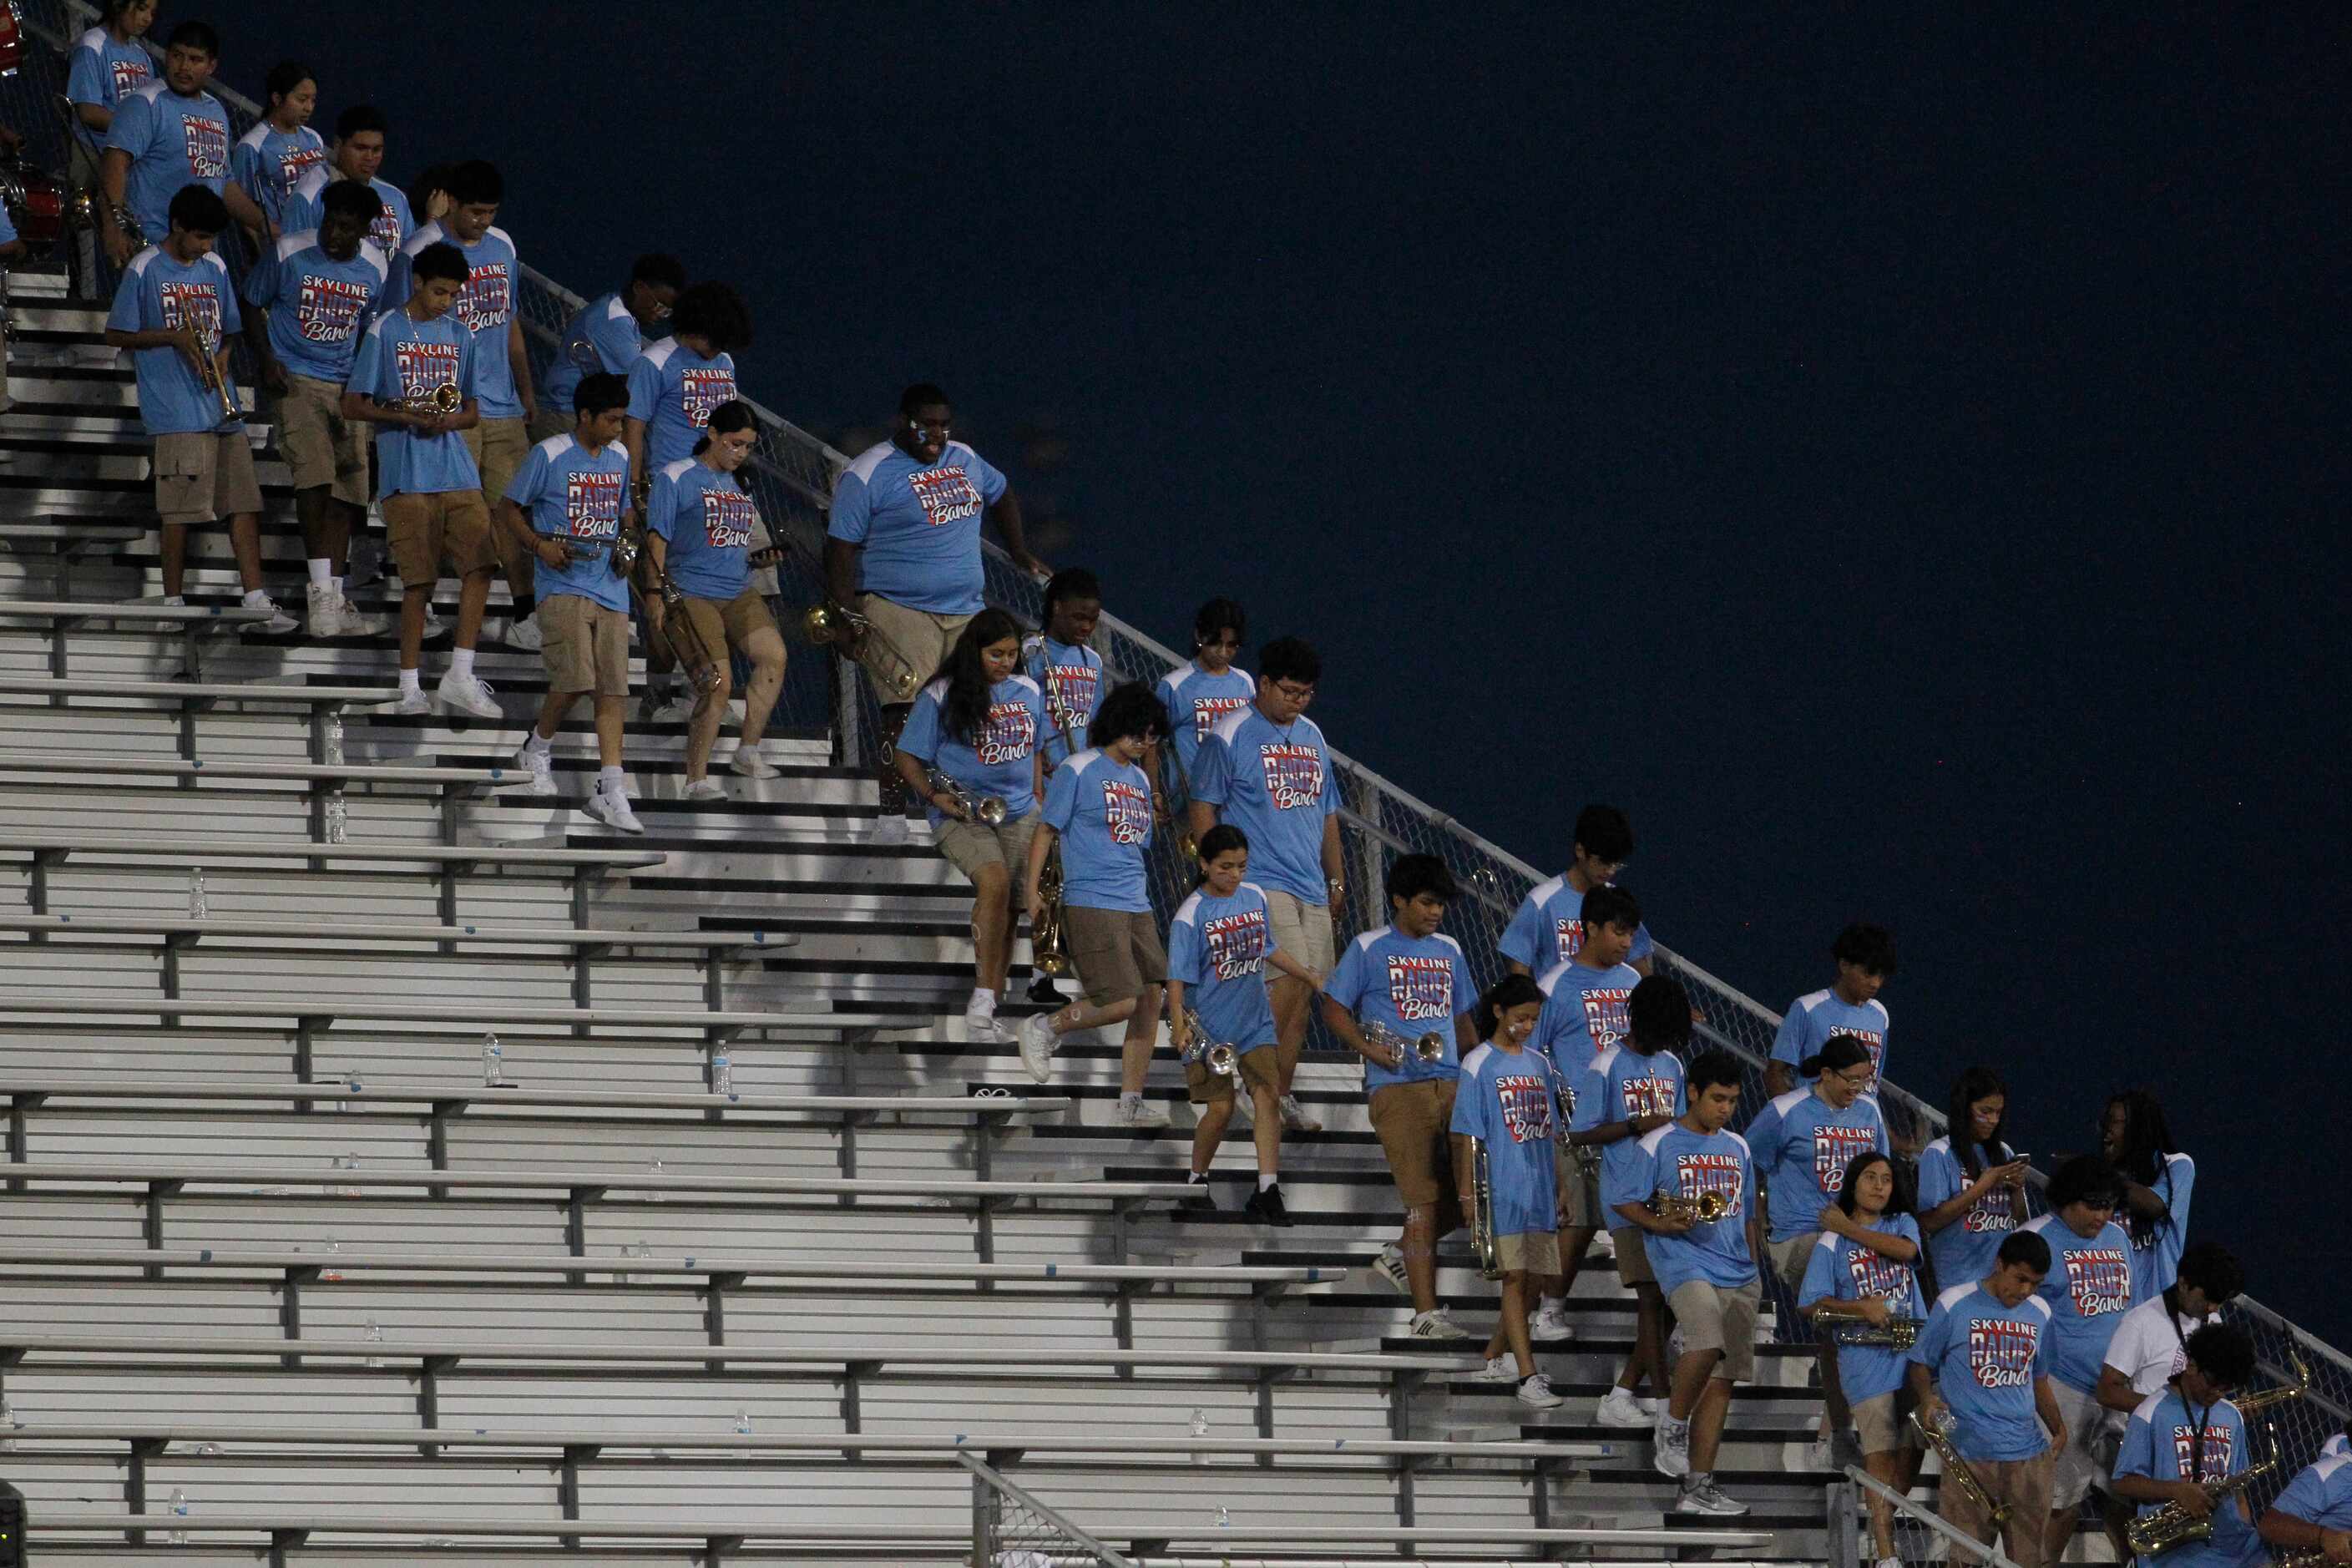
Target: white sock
(1265, 1180)
(256, 597)
(322, 572)
(538, 743)
(1551, 1304)
(1129, 1096)
(609, 780)
(337, 584)
(1197, 1178)
(461, 662)
(177, 601)
(410, 682)
(983, 998)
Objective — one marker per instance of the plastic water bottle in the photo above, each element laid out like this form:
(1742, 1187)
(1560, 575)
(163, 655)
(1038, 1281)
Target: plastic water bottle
(1200, 1429)
(333, 1247)
(7, 1425)
(179, 1511)
(656, 1171)
(208, 1450)
(199, 907)
(1224, 1517)
(743, 1429)
(374, 1336)
(722, 1076)
(333, 746)
(494, 1061)
(339, 817)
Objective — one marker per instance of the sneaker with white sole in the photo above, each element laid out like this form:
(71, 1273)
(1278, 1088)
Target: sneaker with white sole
(1498, 1369)
(1139, 1114)
(1820, 1454)
(1707, 1497)
(980, 1020)
(1670, 1455)
(1619, 1409)
(278, 623)
(1535, 1393)
(1295, 1117)
(1603, 1245)
(1038, 1044)
(748, 761)
(1650, 1407)
(678, 710)
(1390, 1266)
(524, 634)
(889, 828)
(611, 807)
(1436, 1325)
(434, 625)
(703, 789)
(356, 625)
(1550, 1323)
(540, 765)
(410, 702)
(321, 611)
(470, 692)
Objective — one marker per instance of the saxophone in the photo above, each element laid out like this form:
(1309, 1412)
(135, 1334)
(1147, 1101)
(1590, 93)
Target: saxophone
(2173, 1525)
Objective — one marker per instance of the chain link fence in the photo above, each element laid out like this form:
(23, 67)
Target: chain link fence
(1011, 1529)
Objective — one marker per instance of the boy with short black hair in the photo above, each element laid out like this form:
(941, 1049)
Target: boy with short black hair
(1065, 670)
(168, 133)
(1850, 1005)
(2187, 1438)
(1549, 925)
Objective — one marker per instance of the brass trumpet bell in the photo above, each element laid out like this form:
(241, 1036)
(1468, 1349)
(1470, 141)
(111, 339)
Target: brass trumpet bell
(1223, 1060)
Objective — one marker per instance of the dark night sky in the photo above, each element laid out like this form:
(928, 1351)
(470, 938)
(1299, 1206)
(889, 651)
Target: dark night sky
(1899, 457)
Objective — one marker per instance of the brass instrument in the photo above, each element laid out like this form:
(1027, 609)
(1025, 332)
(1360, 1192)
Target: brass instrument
(1481, 1214)
(1897, 1334)
(1704, 1209)
(989, 811)
(1429, 1047)
(2173, 1525)
(1186, 844)
(209, 374)
(445, 398)
(1046, 953)
(700, 662)
(863, 641)
(2263, 1399)
(627, 546)
(1220, 1057)
(1956, 1470)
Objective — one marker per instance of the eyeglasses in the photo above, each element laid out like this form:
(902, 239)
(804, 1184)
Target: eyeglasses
(1857, 1078)
(1294, 691)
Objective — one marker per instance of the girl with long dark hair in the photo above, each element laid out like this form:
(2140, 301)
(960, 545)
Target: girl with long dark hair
(1971, 1182)
(2158, 1180)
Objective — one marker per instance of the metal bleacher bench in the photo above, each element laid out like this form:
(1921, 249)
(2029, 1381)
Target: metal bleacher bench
(64, 540)
(191, 621)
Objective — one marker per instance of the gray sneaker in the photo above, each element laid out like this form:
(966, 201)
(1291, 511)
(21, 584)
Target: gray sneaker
(1390, 1266)
(1707, 1497)
(1671, 1453)
(1436, 1325)
(1295, 1117)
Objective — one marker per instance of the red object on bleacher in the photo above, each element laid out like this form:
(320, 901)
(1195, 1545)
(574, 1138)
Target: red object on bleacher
(12, 38)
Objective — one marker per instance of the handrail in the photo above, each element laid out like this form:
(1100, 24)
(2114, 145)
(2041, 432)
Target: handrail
(1929, 1518)
(196, 691)
(1008, 1525)
(82, 1174)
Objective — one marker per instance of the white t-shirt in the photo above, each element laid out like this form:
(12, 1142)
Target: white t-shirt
(2146, 1347)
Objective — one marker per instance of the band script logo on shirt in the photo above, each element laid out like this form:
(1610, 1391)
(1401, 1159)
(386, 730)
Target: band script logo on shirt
(727, 515)
(700, 391)
(1697, 1175)
(207, 145)
(1605, 1017)
(592, 505)
(1873, 1275)
(2000, 1353)
(947, 495)
(1236, 944)
(1294, 775)
(487, 297)
(2221, 1444)
(1652, 1097)
(1207, 710)
(1420, 988)
(1010, 734)
(1833, 1149)
(1527, 1108)
(196, 305)
(1126, 811)
(424, 366)
(2098, 1278)
(129, 75)
(328, 309)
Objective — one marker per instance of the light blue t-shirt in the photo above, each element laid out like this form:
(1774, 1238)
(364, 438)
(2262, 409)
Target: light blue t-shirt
(1410, 985)
(1617, 1085)
(2155, 1259)
(1547, 928)
(1842, 1270)
(307, 208)
(8, 229)
(400, 359)
(919, 525)
(1276, 784)
(1963, 1250)
(1218, 948)
(999, 760)
(570, 492)
(172, 141)
(1072, 680)
(268, 163)
(318, 307)
(1984, 1358)
(485, 308)
(1676, 1159)
(1802, 1144)
(1506, 1102)
(605, 325)
(673, 389)
(2088, 1289)
(709, 523)
(2322, 1494)
(2159, 1442)
(1815, 1016)
(1583, 1012)
(158, 293)
(100, 72)
(1195, 700)
(1102, 808)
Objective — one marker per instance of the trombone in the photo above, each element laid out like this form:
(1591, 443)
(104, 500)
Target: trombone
(830, 623)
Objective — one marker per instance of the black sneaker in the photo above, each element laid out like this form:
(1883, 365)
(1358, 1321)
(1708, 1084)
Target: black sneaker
(1265, 1206)
(1044, 992)
(1196, 1200)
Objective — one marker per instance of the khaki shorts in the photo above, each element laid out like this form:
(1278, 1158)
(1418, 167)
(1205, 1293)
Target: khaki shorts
(319, 444)
(729, 624)
(1879, 1424)
(2078, 1469)
(1411, 1122)
(204, 475)
(425, 529)
(586, 646)
(1301, 930)
(499, 447)
(971, 846)
(1791, 1257)
(923, 638)
(1117, 952)
(2023, 1485)
(1578, 1197)
(1256, 1067)
(1536, 1253)
(1715, 1318)
(1633, 1244)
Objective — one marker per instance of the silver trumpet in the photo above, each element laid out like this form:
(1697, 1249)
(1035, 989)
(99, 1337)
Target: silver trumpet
(1429, 1047)
(1220, 1058)
(1481, 1214)
(1897, 1334)
(989, 811)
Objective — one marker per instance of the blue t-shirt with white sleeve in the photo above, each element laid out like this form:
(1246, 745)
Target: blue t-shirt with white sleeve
(1218, 948)
(485, 308)
(1985, 1357)
(2088, 1289)
(604, 327)
(156, 294)
(1275, 782)
(1507, 1104)
(999, 760)
(318, 307)
(569, 492)
(1841, 1268)
(1412, 986)
(171, 141)
(1802, 1144)
(917, 523)
(1583, 1012)
(100, 73)
(1617, 1085)
(1072, 679)
(2162, 1442)
(8, 229)
(1816, 1015)
(709, 523)
(268, 163)
(1547, 928)
(1964, 1250)
(399, 360)
(1676, 1159)
(1102, 808)
(307, 208)
(2321, 1493)
(1195, 700)
(673, 389)
(2155, 1257)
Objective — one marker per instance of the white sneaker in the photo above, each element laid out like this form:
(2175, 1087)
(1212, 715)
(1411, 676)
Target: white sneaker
(278, 623)
(322, 612)
(1671, 1456)
(1498, 1369)
(1603, 1245)
(678, 710)
(889, 828)
(1244, 1115)
(356, 625)
(748, 761)
(410, 702)
(1707, 1498)
(703, 789)
(1436, 1325)
(540, 764)
(1038, 1043)
(524, 634)
(1535, 1392)
(1820, 1454)
(611, 807)
(470, 693)
(434, 625)
(1390, 1266)
(1140, 1114)
(979, 1018)
(1619, 1409)
(1295, 1117)
(1650, 1407)
(1550, 1323)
